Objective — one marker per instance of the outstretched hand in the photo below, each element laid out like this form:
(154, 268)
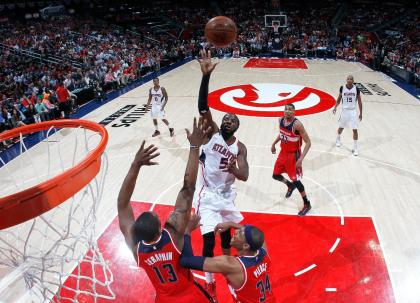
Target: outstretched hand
(206, 65)
(145, 155)
(193, 223)
(199, 133)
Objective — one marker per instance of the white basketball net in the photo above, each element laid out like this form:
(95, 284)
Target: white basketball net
(39, 255)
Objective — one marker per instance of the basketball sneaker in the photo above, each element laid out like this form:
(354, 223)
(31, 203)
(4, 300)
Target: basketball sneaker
(338, 143)
(355, 152)
(306, 207)
(171, 132)
(290, 190)
(211, 290)
(156, 133)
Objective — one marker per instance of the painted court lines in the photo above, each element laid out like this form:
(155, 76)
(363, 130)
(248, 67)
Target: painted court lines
(306, 268)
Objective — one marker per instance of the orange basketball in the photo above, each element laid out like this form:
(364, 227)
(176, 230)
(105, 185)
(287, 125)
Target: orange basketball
(220, 31)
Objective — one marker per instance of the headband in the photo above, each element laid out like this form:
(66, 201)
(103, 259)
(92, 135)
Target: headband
(248, 237)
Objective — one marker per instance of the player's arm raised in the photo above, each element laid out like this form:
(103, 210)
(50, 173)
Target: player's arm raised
(165, 95)
(299, 128)
(125, 211)
(207, 68)
(241, 172)
(179, 218)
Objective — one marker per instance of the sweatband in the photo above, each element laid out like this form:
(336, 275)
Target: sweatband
(187, 257)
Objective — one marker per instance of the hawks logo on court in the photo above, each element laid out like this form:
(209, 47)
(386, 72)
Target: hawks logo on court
(269, 99)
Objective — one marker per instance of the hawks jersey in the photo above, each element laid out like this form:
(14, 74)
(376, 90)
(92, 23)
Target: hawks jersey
(257, 284)
(214, 158)
(160, 260)
(157, 96)
(349, 96)
(290, 141)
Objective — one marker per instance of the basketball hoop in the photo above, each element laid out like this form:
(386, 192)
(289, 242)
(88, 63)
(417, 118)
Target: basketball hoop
(48, 210)
(276, 28)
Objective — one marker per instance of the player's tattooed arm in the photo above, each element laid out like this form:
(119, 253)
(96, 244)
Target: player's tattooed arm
(178, 220)
(125, 211)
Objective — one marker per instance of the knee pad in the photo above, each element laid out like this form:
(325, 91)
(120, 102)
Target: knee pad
(226, 237)
(299, 186)
(209, 242)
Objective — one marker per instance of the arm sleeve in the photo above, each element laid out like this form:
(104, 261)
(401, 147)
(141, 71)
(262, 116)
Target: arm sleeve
(202, 95)
(341, 89)
(187, 257)
(357, 91)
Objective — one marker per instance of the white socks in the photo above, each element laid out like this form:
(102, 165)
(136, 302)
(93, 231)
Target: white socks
(355, 145)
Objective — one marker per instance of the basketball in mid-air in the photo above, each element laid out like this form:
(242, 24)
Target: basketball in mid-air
(221, 31)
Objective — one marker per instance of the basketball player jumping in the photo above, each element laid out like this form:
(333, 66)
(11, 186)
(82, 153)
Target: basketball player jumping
(248, 273)
(290, 157)
(348, 118)
(158, 250)
(159, 98)
(223, 159)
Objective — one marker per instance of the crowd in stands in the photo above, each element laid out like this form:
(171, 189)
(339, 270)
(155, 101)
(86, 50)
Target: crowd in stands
(40, 59)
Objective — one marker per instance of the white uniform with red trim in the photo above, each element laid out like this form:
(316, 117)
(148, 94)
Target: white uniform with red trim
(157, 102)
(348, 117)
(215, 190)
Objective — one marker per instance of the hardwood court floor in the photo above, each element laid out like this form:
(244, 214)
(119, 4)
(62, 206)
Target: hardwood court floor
(381, 184)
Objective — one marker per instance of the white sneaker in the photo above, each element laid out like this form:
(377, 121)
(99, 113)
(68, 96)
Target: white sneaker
(355, 152)
(337, 143)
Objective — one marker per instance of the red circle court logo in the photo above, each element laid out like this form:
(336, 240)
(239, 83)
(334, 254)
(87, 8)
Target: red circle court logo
(269, 99)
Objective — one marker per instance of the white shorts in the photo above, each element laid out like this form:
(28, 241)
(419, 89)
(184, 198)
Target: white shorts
(156, 112)
(215, 208)
(348, 119)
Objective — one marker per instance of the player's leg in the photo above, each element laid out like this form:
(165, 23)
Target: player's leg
(338, 140)
(154, 113)
(295, 174)
(171, 130)
(157, 132)
(209, 219)
(225, 238)
(342, 121)
(229, 214)
(354, 126)
(279, 168)
(355, 138)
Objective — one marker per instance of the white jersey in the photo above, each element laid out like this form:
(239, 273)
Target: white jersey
(157, 96)
(214, 158)
(349, 97)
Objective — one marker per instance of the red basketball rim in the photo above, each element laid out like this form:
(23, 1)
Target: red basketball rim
(36, 200)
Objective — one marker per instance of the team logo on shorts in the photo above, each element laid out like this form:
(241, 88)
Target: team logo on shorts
(269, 99)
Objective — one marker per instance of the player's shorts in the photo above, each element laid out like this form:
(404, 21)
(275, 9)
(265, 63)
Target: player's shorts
(286, 163)
(348, 119)
(215, 207)
(156, 112)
